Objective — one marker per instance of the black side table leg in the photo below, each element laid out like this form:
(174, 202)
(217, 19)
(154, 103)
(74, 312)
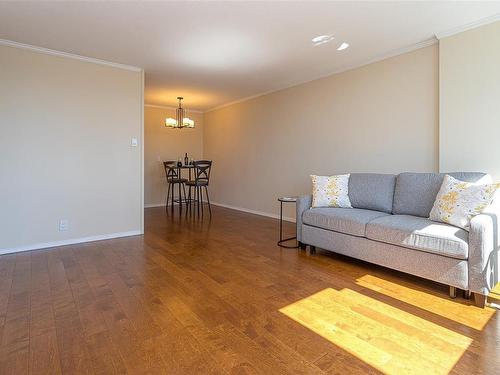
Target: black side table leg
(281, 242)
(281, 221)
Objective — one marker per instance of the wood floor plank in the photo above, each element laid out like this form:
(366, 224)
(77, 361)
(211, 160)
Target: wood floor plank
(73, 353)
(129, 346)
(14, 348)
(176, 339)
(44, 354)
(7, 266)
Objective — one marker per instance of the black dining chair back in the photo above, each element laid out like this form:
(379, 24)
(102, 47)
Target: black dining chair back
(172, 172)
(201, 180)
(202, 171)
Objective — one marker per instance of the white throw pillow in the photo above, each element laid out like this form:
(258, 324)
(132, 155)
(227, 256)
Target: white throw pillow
(331, 191)
(458, 202)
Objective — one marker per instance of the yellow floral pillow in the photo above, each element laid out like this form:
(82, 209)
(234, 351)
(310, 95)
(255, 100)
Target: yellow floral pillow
(331, 191)
(458, 202)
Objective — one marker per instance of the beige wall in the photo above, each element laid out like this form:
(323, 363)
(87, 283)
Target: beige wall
(65, 138)
(382, 117)
(470, 100)
(161, 144)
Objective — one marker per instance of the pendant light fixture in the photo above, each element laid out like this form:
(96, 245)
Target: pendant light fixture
(181, 120)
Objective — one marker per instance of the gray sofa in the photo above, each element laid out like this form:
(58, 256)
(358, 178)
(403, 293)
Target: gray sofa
(389, 225)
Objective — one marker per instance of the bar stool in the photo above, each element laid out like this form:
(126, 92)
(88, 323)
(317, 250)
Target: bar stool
(174, 178)
(201, 180)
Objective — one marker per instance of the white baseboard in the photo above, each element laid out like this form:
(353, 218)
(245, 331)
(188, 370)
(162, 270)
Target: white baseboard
(70, 241)
(261, 213)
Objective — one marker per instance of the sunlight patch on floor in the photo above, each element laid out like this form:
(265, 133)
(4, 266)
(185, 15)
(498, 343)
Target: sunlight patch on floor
(494, 295)
(496, 290)
(391, 340)
(466, 314)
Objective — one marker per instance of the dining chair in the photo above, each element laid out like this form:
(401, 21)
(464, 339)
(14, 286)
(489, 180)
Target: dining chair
(201, 180)
(174, 178)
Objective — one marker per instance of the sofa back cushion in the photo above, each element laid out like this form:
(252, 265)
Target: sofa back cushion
(415, 193)
(372, 191)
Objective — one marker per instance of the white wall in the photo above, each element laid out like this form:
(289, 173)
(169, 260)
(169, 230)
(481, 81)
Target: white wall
(382, 117)
(469, 67)
(65, 138)
(166, 144)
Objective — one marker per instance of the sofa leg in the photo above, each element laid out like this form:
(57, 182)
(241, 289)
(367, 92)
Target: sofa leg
(467, 294)
(302, 246)
(479, 300)
(312, 249)
(453, 292)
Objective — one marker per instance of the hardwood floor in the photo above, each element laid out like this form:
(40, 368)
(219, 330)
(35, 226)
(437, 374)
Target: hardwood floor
(219, 297)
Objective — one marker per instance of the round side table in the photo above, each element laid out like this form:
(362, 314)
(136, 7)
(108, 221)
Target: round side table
(282, 240)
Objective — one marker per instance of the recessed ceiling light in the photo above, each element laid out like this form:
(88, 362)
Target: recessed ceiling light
(343, 46)
(317, 40)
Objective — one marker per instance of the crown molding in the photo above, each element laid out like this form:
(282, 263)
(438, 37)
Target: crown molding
(47, 51)
(468, 26)
(246, 98)
(393, 53)
(171, 108)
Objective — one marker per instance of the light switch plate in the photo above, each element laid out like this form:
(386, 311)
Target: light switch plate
(134, 142)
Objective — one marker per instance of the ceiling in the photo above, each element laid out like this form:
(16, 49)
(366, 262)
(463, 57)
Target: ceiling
(213, 53)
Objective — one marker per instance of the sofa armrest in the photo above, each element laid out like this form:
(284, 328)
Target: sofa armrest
(484, 253)
(304, 202)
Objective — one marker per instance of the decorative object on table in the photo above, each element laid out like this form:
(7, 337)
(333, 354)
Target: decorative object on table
(179, 162)
(174, 178)
(186, 159)
(181, 120)
(201, 180)
(331, 191)
(457, 202)
(282, 240)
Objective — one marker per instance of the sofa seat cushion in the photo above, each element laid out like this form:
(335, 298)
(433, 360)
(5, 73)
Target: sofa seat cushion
(345, 220)
(419, 233)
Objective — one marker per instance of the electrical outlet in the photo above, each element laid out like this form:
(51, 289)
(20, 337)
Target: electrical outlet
(63, 225)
